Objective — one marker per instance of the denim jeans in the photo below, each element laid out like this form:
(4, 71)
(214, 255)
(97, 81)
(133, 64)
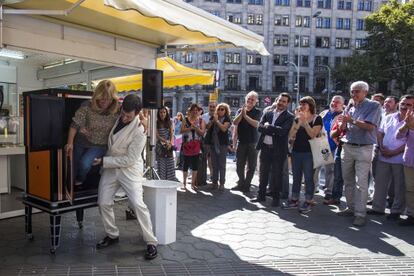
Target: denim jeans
(302, 164)
(83, 158)
(338, 185)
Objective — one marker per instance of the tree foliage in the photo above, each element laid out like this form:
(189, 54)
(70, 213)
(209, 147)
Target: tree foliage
(389, 52)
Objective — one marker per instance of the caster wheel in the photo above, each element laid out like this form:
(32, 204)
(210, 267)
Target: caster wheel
(52, 251)
(30, 237)
(80, 224)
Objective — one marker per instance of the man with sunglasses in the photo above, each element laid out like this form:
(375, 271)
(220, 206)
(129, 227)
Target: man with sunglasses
(359, 121)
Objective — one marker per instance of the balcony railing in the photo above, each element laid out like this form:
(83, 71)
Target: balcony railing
(232, 87)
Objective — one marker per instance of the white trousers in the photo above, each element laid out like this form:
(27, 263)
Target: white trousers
(107, 190)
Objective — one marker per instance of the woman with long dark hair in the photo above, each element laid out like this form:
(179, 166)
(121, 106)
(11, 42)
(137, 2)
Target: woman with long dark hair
(307, 125)
(218, 139)
(192, 129)
(164, 147)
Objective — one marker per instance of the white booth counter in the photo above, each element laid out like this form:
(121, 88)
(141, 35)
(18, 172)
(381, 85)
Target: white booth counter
(12, 168)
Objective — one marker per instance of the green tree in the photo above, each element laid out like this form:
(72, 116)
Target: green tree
(389, 51)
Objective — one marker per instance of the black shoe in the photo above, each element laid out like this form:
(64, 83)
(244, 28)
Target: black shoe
(369, 203)
(151, 252)
(107, 241)
(237, 188)
(407, 222)
(269, 193)
(375, 213)
(275, 202)
(259, 199)
(130, 215)
(393, 216)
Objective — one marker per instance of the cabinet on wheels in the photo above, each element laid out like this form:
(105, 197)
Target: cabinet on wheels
(50, 172)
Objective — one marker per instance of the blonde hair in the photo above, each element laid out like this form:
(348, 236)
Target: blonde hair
(226, 109)
(105, 90)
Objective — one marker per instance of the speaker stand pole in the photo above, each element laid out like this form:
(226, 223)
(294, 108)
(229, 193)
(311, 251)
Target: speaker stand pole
(150, 173)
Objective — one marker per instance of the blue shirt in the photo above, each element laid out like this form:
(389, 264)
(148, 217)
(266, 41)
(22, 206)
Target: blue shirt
(328, 119)
(369, 112)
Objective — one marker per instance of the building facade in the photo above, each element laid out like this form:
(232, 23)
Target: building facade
(323, 33)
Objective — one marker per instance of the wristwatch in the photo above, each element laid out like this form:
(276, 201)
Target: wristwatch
(353, 122)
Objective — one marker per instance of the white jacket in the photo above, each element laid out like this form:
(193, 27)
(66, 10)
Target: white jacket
(123, 161)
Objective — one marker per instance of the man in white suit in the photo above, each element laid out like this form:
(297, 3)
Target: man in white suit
(123, 166)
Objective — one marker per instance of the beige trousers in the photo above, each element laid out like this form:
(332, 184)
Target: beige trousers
(107, 190)
(356, 164)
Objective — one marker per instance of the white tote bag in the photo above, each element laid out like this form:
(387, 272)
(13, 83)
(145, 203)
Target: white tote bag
(321, 151)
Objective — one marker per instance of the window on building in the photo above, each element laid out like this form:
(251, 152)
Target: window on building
(339, 23)
(171, 56)
(278, 20)
(232, 81)
(323, 22)
(324, 4)
(321, 60)
(306, 21)
(215, 1)
(341, 5)
(234, 18)
(280, 60)
(281, 40)
(304, 41)
(308, 3)
(234, 1)
(360, 24)
(254, 59)
(338, 61)
(232, 58)
(346, 43)
(259, 19)
(250, 19)
(364, 5)
(304, 61)
(254, 83)
(255, 2)
(298, 21)
(322, 42)
(338, 43)
(299, 3)
(280, 84)
(210, 57)
(348, 5)
(347, 23)
(188, 57)
(360, 43)
(282, 2)
(236, 58)
(319, 22)
(285, 20)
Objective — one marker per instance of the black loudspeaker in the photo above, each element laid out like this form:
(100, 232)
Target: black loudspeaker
(152, 88)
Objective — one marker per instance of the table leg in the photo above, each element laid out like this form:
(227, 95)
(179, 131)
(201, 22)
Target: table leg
(54, 232)
(28, 221)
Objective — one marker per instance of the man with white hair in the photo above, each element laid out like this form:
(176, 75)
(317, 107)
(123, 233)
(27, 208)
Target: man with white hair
(360, 121)
(247, 121)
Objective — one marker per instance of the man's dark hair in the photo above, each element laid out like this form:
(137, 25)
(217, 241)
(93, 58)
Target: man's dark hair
(395, 98)
(284, 94)
(407, 96)
(132, 103)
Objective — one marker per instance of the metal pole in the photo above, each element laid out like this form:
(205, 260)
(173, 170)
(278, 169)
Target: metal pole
(329, 82)
(298, 69)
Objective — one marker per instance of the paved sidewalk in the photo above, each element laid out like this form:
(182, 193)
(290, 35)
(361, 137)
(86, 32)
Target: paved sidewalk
(215, 230)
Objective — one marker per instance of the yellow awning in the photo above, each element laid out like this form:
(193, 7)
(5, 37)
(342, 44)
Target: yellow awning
(175, 74)
(156, 22)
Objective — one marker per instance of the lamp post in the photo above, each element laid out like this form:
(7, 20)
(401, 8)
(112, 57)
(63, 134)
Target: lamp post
(297, 67)
(329, 79)
(297, 80)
